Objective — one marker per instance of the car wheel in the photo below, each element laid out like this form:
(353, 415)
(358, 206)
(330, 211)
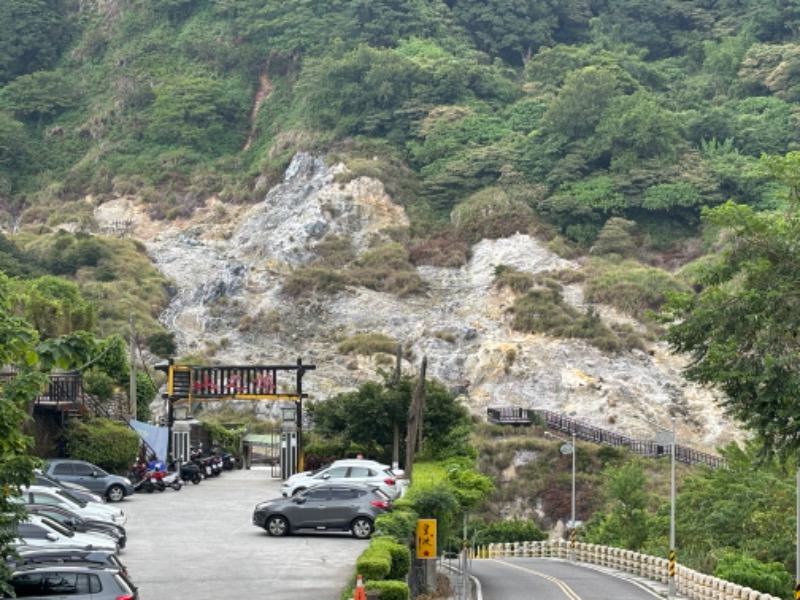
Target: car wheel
(277, 526)
(299, 490)
(361, 528)
(115, 493)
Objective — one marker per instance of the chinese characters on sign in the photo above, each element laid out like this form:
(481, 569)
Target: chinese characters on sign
(426, 538)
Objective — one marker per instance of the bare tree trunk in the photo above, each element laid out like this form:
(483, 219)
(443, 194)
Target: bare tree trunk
(415, 418)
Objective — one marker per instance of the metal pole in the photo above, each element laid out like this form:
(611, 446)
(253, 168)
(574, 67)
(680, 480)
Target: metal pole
(572, 529)
(671, 587)
(797, 538)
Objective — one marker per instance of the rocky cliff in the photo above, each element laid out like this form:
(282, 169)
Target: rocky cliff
(228, 264)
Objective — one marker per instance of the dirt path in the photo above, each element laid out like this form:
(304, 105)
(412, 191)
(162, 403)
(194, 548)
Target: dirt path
(264, 90)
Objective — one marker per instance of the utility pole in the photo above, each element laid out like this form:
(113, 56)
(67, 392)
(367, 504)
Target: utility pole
(132, 392)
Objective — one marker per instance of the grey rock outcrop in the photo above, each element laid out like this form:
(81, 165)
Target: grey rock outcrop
(228, 274)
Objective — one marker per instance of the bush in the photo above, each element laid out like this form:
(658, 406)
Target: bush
(103, 442)
(514, 530)
(400, 524)
(400, 556)
(768, 578)
(368, 344)
(390, 589)
(375, 562)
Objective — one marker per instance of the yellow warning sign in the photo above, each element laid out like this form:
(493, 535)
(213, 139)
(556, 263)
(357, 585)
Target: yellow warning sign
(426, 538)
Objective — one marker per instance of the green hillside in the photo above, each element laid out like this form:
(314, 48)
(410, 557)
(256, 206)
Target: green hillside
(561, 113)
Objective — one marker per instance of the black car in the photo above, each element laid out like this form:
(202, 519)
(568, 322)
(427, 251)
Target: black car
(78, 523)
(326, 507)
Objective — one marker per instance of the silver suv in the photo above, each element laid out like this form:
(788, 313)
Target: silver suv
(113, 487)
(355, 470)
(76, 581)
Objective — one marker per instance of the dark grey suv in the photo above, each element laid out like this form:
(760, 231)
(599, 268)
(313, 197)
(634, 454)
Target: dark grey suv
(335, 506)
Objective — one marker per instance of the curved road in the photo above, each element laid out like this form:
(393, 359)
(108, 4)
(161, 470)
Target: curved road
(552, 579)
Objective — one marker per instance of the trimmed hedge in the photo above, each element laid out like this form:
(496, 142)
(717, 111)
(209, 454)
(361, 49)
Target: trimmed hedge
(400, 557)
(389, 589)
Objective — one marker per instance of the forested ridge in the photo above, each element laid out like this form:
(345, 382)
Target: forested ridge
(561, 113)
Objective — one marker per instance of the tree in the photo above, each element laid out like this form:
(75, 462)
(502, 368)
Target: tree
(369, 415)
(21, 349)
(625, 523)
(33, 33)
(740, 330)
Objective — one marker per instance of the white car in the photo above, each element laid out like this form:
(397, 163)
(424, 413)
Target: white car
(57, 497)
(355, 470)
(42, 532)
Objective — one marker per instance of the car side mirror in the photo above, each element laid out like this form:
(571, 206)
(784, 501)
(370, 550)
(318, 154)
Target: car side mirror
(95, 474)
(53, 537)
(326, 476)
(299, 499)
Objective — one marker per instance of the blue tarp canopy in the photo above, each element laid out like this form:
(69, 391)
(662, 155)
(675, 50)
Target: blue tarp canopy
(154, 436)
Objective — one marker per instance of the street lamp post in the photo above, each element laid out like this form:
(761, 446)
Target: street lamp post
(572, 450)
(671, 592)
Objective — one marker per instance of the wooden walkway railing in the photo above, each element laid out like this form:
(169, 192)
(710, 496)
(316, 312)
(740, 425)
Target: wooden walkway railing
(513, 415)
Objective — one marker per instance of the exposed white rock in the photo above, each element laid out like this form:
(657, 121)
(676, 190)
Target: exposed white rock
(228, 274)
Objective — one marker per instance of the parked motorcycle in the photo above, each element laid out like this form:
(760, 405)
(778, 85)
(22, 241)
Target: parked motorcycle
(145, 479)
(172, 480)
(228, 461)
(188, 472)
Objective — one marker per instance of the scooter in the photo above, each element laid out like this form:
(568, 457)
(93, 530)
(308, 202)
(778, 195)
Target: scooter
(188, 472)
(172, 480)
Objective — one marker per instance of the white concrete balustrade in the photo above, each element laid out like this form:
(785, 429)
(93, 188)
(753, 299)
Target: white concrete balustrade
(688, 583)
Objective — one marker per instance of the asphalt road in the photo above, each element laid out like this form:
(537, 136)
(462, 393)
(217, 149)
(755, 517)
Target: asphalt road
(199, 543)
(549, 579)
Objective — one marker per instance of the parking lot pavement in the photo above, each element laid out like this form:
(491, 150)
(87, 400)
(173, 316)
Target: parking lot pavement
(200, 543)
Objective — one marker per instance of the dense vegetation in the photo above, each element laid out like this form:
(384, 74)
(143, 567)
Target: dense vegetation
(564, 116)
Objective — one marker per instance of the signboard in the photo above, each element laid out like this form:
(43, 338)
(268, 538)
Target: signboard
(426, 538)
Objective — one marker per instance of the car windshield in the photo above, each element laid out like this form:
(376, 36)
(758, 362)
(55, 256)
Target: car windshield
(48, 522)
(65, 494)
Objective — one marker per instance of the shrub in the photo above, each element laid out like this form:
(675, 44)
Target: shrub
(375, 562)
(513, 530)
(386, 269)
(769, 578)
(307, 280)
(103, 442)
(629, 286)
(368, 344)
(399, 524)
(513, 279)
(389, 589)
(400, 556)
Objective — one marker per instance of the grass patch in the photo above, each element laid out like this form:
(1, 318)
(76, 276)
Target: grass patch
(368, 344)
(629, 286)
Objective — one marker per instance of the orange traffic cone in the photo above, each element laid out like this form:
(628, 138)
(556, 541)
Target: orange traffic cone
(360, 593)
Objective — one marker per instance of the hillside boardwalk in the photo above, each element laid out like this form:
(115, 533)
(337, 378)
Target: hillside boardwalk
(513, 415)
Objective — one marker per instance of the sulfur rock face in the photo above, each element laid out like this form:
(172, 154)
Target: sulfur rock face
(228, 264)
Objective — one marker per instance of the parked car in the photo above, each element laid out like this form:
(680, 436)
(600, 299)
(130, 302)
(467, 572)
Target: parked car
(79, 491)
(349, 507)
(113, 487)
(42, 531)
(42, 495)
(75, 522)
(32, 555)
(355, 470)
(86, 581)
